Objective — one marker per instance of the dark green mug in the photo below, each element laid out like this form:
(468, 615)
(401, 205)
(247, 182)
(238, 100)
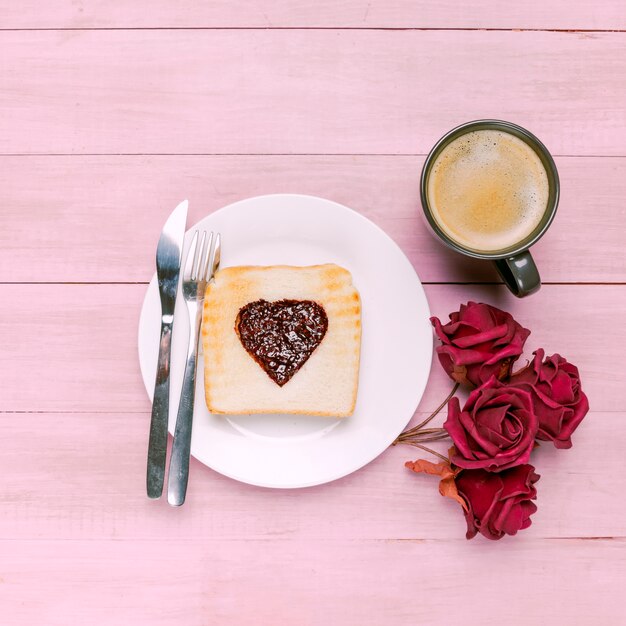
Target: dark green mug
(514, 264)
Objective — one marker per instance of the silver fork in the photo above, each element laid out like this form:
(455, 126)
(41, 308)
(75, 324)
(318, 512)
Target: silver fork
(200, 267)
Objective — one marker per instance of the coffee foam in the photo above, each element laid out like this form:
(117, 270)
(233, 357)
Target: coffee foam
(488, 190)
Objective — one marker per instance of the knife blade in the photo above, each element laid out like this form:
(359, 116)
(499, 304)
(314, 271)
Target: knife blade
(168, 260)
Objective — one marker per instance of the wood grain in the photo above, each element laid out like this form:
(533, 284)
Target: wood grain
(90, 485)
(264, 96)
(304, 91)
(74, 347)
(103, 227)
(326, 581)
(560, 14)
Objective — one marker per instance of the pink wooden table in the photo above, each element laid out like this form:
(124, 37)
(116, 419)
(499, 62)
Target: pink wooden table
(110, 114)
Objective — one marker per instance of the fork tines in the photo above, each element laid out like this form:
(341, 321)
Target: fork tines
(202, 258)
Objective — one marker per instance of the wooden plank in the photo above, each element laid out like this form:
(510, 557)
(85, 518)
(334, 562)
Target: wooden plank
(99, 230)
(81, 476)
(304, 91)
(307, 13)
(326, 581)
(74, 347)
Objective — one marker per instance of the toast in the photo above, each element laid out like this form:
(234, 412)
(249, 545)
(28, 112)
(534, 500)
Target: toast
(322, 376)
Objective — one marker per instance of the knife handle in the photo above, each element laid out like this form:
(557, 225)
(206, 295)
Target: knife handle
(157, 446)
(178, 476)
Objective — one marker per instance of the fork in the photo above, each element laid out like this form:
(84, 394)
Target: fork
(200, 267)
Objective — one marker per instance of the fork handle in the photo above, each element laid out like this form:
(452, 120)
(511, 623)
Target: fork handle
(179, 461)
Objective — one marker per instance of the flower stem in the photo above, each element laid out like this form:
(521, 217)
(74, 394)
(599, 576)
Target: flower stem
(424, 439)
(430, 434)
(430, 431)
(417, 445)
(432, 415)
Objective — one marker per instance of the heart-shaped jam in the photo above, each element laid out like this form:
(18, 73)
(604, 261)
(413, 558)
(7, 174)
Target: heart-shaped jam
(281, 336)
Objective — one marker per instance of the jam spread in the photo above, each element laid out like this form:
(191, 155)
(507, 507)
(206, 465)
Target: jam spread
(281, 336)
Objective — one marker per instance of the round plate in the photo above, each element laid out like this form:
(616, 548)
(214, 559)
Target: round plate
(294, 450)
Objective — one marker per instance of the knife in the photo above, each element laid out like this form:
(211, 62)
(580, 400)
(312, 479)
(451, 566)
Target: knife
(168, 259)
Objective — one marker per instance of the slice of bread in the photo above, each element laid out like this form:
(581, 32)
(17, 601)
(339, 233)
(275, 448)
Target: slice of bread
(327, 382)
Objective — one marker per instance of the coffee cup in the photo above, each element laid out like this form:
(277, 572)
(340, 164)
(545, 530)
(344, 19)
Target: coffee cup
(490, 190)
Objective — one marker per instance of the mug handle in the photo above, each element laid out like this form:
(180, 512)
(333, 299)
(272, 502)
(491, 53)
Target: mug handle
(519, 274)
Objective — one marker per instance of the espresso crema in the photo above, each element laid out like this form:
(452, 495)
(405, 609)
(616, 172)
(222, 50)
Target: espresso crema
(488, 190)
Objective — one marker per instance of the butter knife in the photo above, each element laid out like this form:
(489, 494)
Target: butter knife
(168, 259)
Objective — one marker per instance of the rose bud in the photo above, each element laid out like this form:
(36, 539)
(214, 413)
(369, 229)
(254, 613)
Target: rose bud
(557, 396)
(478, 342)
(496, 428)
(498, 504)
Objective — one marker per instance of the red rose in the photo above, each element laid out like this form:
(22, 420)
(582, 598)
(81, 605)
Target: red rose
(480, 341)
(558, 400)
(498, 504)
(496, 428)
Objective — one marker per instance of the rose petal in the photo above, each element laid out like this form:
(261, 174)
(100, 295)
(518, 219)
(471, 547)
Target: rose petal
(462, 357)
(454, 428)
(562, 440)
(480, 489)
(528, 508)
(493, 417)
(479, 444)
(561, 388)
(509, 519)
(481, 337)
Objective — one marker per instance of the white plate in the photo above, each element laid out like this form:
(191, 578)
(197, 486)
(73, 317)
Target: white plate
(299, 451)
